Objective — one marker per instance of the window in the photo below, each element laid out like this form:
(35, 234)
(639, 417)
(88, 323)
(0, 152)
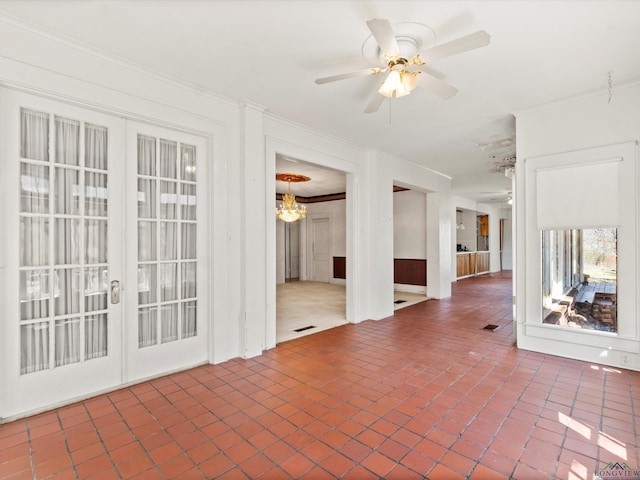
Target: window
(579, 278)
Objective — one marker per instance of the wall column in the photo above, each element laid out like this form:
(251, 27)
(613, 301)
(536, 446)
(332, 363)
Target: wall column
(252, 154)
(439, 274)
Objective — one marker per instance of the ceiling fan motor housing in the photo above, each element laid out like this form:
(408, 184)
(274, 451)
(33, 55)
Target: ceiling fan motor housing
(407, 46)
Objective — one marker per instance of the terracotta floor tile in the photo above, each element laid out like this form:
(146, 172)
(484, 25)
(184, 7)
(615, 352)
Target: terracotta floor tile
(175, 466)
(296, 465)
(278, 452)
(215, 466)
(337, 464)
(378, 464)
(425, 392)
(355, 450)
(441, 471)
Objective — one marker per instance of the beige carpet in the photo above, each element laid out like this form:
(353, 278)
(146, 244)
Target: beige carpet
(408, 299)
(308, 304)
(318, 305)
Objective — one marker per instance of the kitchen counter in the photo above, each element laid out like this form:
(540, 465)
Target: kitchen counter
(471, 263)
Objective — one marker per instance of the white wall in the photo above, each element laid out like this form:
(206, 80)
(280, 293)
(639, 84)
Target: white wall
(583, 127)
(467, 237)
(409, 225)
(507, 247)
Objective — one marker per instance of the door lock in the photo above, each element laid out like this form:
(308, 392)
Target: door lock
(115, 291)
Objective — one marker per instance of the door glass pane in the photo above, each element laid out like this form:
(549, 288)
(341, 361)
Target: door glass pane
(169, 322)
(67, 192)
(168, 154)
(188, 202)
(188, 164)
(147, 326)
(188, 280)
(34, 135)
(67, 241)
(189, 319)
(34, 347)
(168, 281)
(95, 236)
(168, 241)
(95, 153)
(146, 198)
(146, 155)
(34, 188)
(34, 294)
(95, 338)
(67, 341)
(67, 292)
(147, 284)
(34, 244)
(67, 141)
(146, 241)
(168, 200)
(96, 194)
(188, 241)
(96, 288)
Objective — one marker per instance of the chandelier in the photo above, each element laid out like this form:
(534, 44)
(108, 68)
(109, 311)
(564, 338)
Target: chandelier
(289, 210)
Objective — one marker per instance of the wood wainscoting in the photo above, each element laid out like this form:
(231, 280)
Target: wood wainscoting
(340, 267)
(410, 271)
(406, 271)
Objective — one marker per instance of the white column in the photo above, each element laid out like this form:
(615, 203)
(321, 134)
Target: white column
(256, 209)
(439, 269)
(381, 240)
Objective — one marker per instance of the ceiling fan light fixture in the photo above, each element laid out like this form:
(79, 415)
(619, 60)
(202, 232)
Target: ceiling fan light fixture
(391, 84)
(398, 83)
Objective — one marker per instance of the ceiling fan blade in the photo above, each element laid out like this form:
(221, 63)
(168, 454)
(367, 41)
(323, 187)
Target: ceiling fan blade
(374, 103)
(383, 33)
(437, 86)
(343, 76)
(454, 47)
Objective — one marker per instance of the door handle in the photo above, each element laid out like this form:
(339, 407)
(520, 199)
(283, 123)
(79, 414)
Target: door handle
(115, 291)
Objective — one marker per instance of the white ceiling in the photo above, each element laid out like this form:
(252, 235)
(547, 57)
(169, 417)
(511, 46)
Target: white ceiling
(270, 52)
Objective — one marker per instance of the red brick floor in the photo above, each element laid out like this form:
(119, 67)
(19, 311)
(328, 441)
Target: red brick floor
(424, 394)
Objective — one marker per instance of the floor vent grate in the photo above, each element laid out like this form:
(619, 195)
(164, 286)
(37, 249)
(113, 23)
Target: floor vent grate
(490, 327)
(302, 329)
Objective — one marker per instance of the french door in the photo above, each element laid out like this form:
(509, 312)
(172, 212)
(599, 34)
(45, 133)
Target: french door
(99, 275)
(61, 329)
(166, 252)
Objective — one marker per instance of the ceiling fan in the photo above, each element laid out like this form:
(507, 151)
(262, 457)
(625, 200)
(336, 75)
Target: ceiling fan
(401, 54)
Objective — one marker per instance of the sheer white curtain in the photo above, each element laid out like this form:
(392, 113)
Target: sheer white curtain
(147, 241)
(169, 313)
(52, 289)
(34, 143)
(35, 226)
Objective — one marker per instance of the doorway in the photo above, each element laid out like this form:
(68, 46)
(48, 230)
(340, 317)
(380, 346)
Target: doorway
(309, 296)
(409, 247)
